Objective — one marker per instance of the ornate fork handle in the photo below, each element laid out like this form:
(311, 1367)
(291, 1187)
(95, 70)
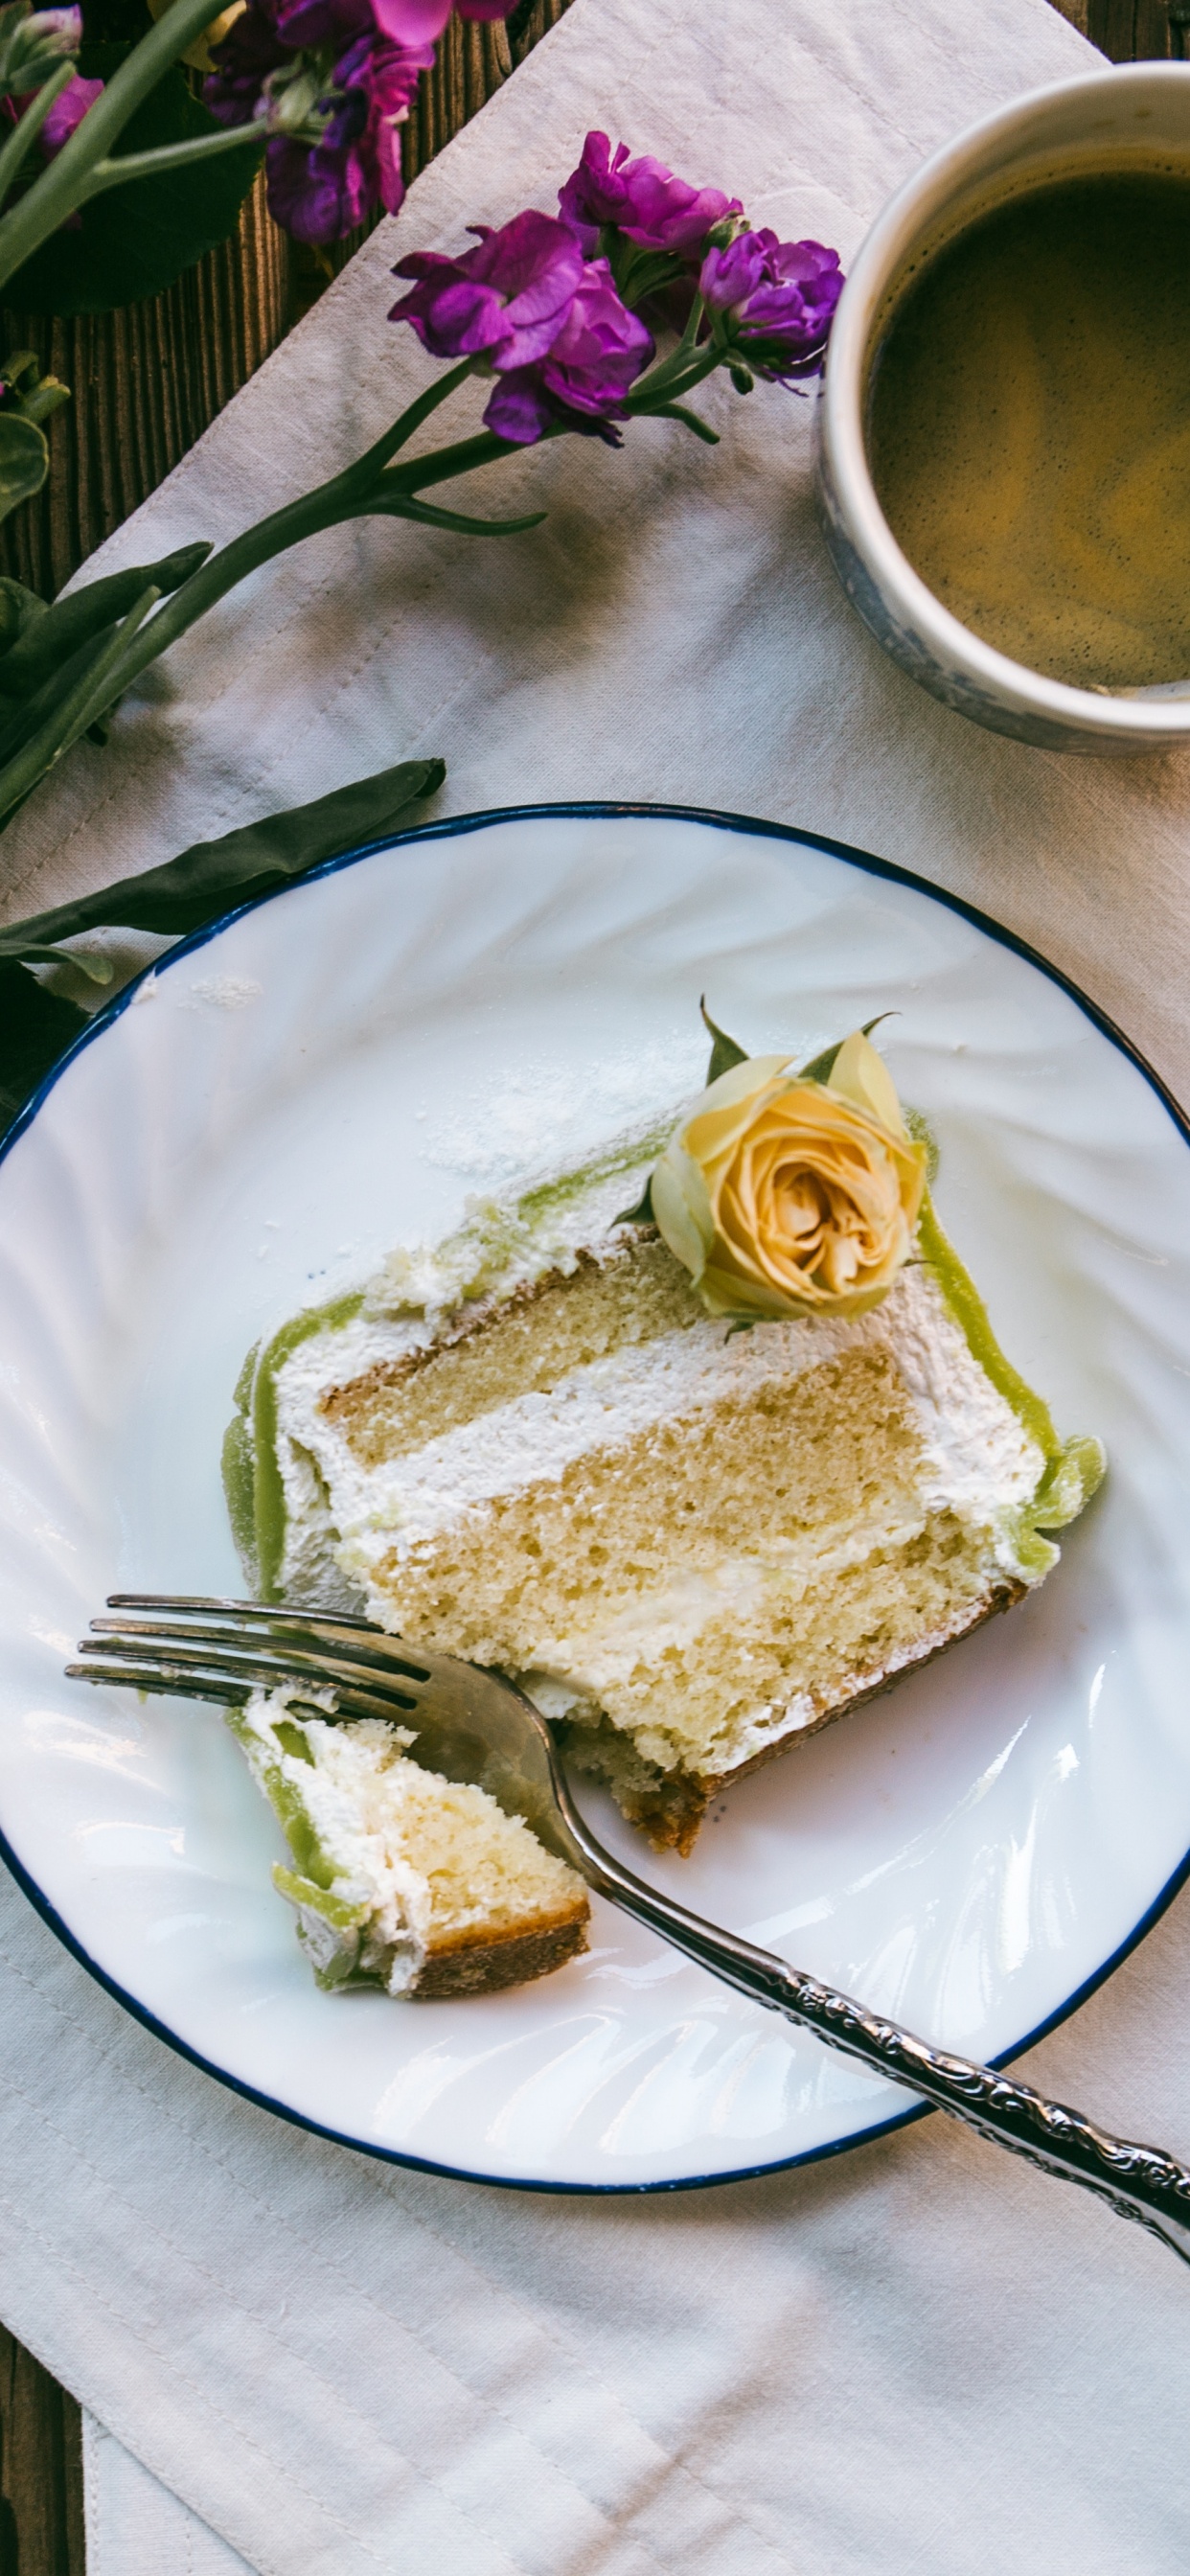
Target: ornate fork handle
(1139, 2182)
(479, 1727)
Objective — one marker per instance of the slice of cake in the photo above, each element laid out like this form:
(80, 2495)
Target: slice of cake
(699, 1479)
(402, 1879)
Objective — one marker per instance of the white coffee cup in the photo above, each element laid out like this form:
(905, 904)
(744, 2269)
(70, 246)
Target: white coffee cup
(1139, 111)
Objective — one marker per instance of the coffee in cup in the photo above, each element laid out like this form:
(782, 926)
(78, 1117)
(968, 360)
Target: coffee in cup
(1028, 428)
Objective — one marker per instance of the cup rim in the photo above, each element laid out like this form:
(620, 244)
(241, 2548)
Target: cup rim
(1145, 722)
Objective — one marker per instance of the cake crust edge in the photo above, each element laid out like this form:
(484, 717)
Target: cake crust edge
(513, 1959)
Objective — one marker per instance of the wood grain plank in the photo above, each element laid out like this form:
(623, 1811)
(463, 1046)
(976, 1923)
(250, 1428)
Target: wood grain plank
(145, 383)
(1136, 30)
(41, 2475)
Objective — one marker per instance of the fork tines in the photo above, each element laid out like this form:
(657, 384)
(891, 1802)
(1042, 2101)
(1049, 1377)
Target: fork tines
(199, 1647)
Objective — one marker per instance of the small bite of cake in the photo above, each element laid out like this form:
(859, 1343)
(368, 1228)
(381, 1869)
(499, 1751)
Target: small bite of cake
(401, 1879)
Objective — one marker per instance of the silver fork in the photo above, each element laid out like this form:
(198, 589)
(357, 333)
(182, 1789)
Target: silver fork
(472, 1725)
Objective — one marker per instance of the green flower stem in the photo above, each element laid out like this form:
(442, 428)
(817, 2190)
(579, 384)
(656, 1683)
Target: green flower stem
(462, 458)
(411, 419)
(12, 156)
(667, 368)
(370, 487)
(651, 393)
(689, 420)
(57, 190)
(352, 494)
(167, 156)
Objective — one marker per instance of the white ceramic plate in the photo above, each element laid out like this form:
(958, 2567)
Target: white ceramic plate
(334, 1071)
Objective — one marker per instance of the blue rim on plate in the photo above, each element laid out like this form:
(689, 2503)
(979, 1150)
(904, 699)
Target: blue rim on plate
(452, 828)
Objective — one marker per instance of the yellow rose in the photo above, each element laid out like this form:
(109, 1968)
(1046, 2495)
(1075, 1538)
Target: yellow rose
(784, 1196)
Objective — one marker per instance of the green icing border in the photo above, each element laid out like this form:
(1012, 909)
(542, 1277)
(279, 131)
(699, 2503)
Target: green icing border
(251, 1476)
(1073, 1468)
(971, 1315)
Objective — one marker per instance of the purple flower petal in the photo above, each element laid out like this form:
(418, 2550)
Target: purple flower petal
(508, 298)
(323, 22)
(411, 22)
(600, 350)
(68, 112)
(730, 276)
(518, 407)
(641, 198)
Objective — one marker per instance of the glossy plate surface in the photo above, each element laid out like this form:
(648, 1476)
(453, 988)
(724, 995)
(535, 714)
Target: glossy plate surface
(336, 1071)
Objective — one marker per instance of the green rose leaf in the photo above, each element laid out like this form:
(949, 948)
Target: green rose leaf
(724, 1051)
(133, 242)
(642, 1213)
(24, 461)
(822, 1066)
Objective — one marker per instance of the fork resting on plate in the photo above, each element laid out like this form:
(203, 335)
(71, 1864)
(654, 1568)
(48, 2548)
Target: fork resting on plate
(474, 1726)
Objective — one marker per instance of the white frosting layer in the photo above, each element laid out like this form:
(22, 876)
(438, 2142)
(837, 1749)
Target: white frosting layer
(978, 1461)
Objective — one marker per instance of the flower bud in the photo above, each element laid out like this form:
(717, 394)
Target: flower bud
(33, 43)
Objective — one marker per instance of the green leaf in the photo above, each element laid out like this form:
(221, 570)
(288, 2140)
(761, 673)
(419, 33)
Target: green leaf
(24, 461)
(37, 1028)
(134, 241)
(44, 637)
(822, 1066)
(215, 875)
(98, 970)
(429, 515)
(724, 1052)
(689, 420)
(642, 1213)
(67, 706)
(19, 609)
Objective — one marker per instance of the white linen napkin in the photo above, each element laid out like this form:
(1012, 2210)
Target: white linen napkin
(920, 2357)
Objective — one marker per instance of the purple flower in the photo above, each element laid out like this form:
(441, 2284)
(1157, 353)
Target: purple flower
(320, 191)
(549, 325)
(252, 48)
(599, 351)
(68, 111)
(505, 300)
(333, 81)
(320, 186)
(641, 198)
(778, 298)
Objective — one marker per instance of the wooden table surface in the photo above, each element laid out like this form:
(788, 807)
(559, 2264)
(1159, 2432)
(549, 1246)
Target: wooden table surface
(41, 2475)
